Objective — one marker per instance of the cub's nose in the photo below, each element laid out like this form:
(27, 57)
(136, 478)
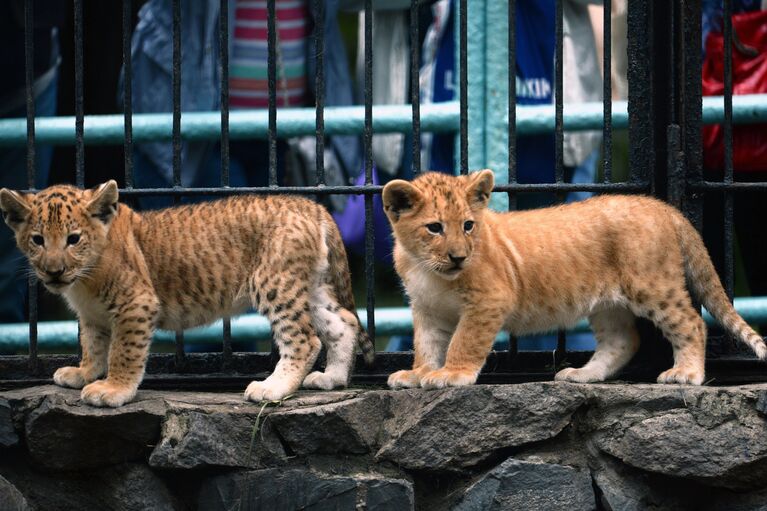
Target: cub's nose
(54, 274)
(456, 260)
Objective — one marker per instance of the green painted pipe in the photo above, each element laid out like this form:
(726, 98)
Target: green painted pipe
(250, 327)
(435, 117)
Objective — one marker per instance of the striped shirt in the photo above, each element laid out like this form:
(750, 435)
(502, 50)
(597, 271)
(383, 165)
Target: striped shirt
(248, 78)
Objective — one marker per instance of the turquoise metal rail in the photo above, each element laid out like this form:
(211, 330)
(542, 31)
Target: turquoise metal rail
(436, 117)
(250, 327)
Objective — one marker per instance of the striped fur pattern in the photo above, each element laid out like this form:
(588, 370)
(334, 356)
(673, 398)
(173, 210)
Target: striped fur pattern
(126, 273)
(470, 272)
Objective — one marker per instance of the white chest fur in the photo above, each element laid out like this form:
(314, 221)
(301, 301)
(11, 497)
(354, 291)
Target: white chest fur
(434, 297)
(86, 305)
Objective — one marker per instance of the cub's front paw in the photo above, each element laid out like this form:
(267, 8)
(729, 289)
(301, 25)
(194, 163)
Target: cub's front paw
(442, 378)
(71, 377)
(681, 375)
(267, 390)
(106, 393)
(406, 379)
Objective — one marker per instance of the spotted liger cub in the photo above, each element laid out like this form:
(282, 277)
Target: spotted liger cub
(470, 272)
(127, 273)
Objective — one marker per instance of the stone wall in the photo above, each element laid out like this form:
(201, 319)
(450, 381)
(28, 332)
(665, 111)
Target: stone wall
(530, 446)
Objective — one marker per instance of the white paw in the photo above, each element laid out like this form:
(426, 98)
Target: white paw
(680, 375)
(324, 381)
(69, 377)
(406, 379)
(578, 375)
(267, 390)
(105, 393)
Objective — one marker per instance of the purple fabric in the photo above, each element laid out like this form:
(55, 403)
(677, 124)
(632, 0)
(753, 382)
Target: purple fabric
(351, 223)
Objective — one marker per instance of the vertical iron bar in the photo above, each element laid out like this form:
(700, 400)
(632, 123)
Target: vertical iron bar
(319, 87)
(607, 129)
(512, 27)
(180, 356)
(29, 50)
(368, 143)
(415, 89)
(559, 170)
(223, 57)
(559, 134)
(512, 101)
(79, 105)
(127, 92)
(463, 86)
(729, 259)
(272, 84)
(271, 23)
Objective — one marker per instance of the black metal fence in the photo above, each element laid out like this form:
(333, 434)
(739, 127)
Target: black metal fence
(665, 159)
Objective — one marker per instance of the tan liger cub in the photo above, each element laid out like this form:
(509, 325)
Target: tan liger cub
(470, 272)
(126, 273)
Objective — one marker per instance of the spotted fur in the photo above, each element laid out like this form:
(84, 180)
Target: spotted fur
(126, 273)
(609, 258)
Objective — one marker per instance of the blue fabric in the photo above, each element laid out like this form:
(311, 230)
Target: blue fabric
(442, 155)
(152, 52)
(13, 174)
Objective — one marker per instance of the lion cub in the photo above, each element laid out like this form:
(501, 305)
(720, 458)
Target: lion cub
(470, 272)
(126, 273)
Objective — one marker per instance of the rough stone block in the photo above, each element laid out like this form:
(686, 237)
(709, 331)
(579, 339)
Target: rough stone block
(272, 489)
(8, 436)
(11, 499)
(456, 428)
(65, 434)
(516, 484)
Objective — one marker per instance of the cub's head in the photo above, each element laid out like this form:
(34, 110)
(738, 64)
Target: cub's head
(62, 230)
(437, 218)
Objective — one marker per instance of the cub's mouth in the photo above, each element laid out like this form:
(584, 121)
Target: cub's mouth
(57, 284)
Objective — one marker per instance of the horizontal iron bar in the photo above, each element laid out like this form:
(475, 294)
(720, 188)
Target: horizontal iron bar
(204, 370)
(251, 327)
(737, 186)
(375, 189)
(435, 117)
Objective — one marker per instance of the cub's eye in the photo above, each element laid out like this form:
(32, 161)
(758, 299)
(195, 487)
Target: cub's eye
(435, 228)
(468, 225)
(73, 239)
(38, 240)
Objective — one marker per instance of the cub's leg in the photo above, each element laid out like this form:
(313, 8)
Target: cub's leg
(429, 346)
(337, 329)
(282, 295)
(469, 347)
(134, 314)
(95, 345)
(617, 342)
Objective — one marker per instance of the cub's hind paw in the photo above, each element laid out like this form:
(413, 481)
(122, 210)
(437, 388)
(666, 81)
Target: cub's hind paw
(71, 377)
(681, 375)
(444, 377)
(105, 393)
(266, 390)
(578, 375)
(324, 381)
(406, 379)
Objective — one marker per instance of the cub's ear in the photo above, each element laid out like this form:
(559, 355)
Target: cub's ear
(15, 208)
(400, 197)
(103, 203)
(479, 188)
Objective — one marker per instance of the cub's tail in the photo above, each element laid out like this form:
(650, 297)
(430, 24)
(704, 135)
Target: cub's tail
(702, 275)
(338, 277)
